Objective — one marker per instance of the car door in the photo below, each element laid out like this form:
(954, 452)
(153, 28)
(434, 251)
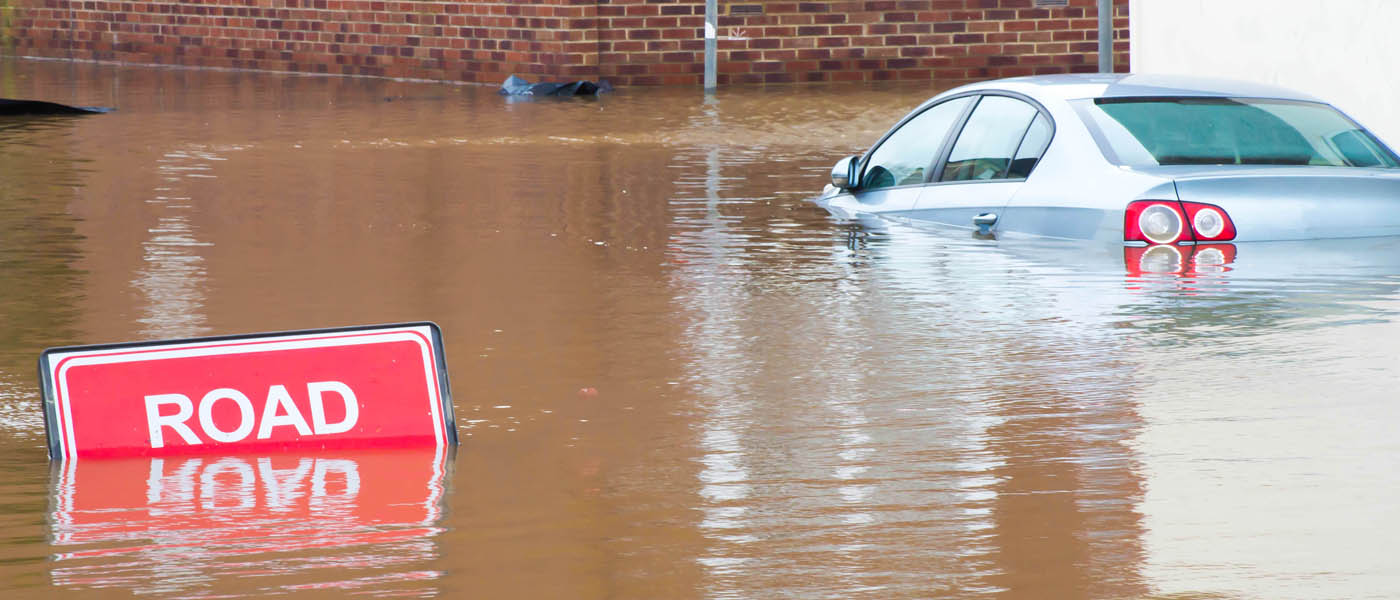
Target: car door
(988, 162)
(902, 162)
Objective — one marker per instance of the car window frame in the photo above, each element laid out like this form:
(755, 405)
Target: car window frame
(1020, 146)
(947, 151)
(943, 148)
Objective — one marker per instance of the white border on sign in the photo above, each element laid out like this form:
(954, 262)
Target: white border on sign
(61, 362)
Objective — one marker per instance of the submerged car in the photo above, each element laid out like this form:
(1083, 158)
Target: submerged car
(1146, 160)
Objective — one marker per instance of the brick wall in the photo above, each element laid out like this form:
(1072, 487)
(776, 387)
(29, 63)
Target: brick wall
(630, 42)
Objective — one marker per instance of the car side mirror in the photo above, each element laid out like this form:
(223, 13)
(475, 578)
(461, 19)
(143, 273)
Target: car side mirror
(844, 175)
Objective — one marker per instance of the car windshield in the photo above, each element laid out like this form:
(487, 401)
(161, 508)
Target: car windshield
(1230, 131)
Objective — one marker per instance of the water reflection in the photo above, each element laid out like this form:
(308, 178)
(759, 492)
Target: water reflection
(779, 403)
(40, 175)
(860, 414)
(1198, 261)
(172, 276)
(979, 369)
(1133, 447)
(1263, 288)
(202, 526)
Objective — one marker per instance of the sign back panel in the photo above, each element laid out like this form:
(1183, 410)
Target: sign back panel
(361, 387)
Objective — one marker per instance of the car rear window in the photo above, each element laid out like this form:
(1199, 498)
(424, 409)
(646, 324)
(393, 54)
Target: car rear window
(1230, 131)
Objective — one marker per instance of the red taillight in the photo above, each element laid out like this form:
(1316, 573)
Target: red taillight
(1155, 222)
(1210, 223)
(1164, 222)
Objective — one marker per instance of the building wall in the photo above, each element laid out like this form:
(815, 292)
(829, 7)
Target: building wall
(784, 41)
(1337, 50)
(630, 42)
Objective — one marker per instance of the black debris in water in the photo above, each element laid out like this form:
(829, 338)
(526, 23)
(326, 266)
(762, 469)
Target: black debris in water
(10, 107)
(515, 86)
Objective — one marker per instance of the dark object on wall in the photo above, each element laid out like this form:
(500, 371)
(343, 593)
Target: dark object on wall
(515, 86)
(38, 107)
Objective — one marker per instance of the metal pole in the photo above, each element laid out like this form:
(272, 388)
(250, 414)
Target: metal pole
(711, 38)
(1105, 36)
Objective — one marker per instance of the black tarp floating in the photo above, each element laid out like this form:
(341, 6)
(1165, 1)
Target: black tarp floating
(515, 86)
(10, 107)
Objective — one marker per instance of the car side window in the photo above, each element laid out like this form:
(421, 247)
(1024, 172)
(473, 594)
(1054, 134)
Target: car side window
(988, 143)
(906, 156)
(1032, 147)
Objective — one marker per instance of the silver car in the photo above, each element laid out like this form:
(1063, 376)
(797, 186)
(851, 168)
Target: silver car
(1145, 160)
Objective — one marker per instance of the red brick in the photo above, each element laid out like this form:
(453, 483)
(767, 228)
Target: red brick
(638, 42)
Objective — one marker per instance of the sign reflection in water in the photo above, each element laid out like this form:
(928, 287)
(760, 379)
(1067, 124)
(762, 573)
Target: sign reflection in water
(196, 525)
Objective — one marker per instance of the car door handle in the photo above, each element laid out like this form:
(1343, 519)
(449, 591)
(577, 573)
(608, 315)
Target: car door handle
(984, 222)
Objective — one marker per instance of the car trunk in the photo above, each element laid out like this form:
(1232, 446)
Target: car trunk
(1296, 203)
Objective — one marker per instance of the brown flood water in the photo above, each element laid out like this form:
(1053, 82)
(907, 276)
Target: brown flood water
(787, 405)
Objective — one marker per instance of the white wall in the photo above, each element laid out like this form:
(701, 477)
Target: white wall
(1343, 51)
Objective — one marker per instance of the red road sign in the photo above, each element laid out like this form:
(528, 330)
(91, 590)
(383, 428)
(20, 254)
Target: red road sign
(362, 387)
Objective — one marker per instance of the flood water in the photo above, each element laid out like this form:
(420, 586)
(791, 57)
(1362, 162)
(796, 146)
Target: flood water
(674, 375)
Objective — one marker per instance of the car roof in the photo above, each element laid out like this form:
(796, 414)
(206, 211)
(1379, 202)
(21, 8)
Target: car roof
(1103, 85)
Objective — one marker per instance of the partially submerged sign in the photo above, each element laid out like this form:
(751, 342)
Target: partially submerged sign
(360, 387)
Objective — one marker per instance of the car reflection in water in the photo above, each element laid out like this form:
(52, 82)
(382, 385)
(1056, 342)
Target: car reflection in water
(1335, 264)
(1239, 286)
(1199, 260)
(203, 525)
